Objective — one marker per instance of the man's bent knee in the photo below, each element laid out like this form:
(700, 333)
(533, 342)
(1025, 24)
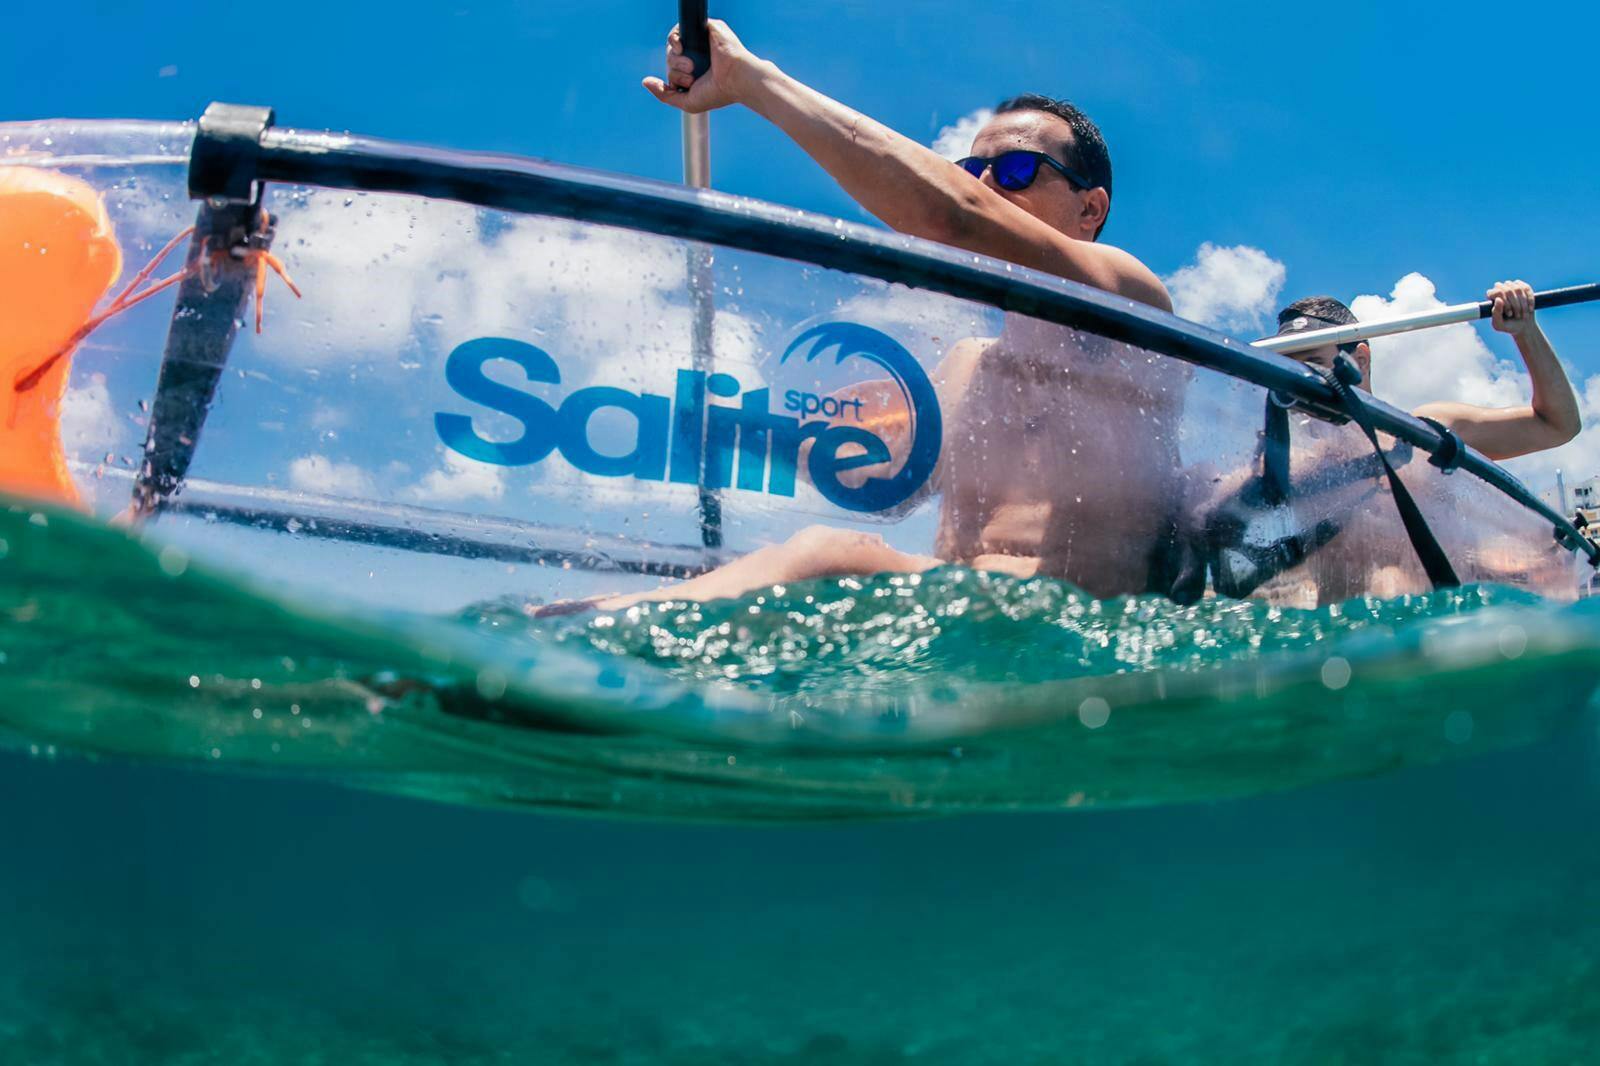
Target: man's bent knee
(821, 551)
(828, 541)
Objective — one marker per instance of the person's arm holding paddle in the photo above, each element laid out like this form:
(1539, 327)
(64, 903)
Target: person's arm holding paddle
(1046, 219)
(1549, 421)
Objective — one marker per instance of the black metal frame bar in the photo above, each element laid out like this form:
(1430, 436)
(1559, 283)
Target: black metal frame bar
(528, 186)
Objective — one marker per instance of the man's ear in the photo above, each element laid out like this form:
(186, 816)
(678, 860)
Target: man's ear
(1096, 206)
(1363, 357)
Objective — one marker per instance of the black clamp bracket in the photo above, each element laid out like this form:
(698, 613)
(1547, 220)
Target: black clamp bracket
(1448, 456)
(1577, 542)
(223, 174)
(227, 147)
(1333, 414)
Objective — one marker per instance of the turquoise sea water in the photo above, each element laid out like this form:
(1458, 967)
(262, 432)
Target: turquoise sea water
(1019, 825)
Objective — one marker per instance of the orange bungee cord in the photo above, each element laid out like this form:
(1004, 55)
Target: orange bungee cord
(58, 258)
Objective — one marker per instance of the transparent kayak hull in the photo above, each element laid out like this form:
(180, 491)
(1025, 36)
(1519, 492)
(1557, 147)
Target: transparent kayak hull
(467, 402)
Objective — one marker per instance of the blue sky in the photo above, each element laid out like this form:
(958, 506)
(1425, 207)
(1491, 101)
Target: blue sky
(1354, 144)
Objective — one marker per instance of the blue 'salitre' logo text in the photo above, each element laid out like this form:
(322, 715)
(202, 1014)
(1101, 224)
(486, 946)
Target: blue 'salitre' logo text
(688, 439)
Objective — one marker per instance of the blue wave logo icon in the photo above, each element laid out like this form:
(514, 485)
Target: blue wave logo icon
(850, 340)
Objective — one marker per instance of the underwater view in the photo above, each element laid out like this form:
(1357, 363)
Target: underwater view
(1347, 834)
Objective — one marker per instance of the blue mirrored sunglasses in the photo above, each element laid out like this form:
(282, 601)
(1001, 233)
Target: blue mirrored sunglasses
(1016, 170)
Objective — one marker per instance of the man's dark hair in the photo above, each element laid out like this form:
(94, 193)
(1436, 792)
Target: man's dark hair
(1317, 312)
(1323, 311)
(1090, 156)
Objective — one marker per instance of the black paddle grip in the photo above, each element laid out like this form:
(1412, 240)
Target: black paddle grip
(693, 34)
(1576, 294)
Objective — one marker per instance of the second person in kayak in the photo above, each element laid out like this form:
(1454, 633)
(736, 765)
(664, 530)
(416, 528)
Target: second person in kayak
(1550, 418)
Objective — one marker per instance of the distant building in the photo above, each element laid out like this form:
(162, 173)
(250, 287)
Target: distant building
(1585, 495)
(1580, 496)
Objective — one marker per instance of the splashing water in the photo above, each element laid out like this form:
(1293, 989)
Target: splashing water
(846, 698)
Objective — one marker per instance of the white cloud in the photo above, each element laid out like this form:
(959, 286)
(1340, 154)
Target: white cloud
(459, 479)
(927, 323)
(1442, 363)
(1231, 289)
(89, 423)
(955, 140)
(146, 214)
(388, 276)
(318, 473)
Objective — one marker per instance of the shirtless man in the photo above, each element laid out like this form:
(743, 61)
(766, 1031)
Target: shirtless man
(1041, 412)
(1548, 421)
(1363, 557)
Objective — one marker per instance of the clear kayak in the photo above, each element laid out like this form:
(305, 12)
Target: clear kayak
(407, 400)
(605, 382)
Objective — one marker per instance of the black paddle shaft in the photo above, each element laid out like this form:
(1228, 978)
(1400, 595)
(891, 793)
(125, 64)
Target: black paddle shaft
(1576, 294)
(694, 35)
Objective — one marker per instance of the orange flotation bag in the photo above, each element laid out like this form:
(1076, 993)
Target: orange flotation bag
(58, 257)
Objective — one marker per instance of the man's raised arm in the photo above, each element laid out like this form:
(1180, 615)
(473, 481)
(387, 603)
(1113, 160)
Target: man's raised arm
(1549, 421)
(908, 186)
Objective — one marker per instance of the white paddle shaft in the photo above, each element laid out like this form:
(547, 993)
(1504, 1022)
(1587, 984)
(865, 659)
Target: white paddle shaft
(1444, 316)
(1360, 331)
(697, 174)
(697, 150)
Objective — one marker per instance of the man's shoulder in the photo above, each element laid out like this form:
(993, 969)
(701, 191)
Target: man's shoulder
(1136, 281)
(960, 359)
(968, 349)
